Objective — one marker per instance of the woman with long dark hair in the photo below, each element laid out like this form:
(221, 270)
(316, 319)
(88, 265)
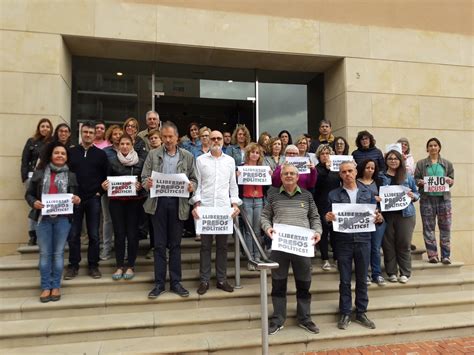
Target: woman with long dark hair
(285, 138)
(340, 146)
(368, 175)
(191, 141)
(435, 205)
(400, 224)
(125, 210)
(327, 180)
(62, 134)
(29, 160)
(51, 177)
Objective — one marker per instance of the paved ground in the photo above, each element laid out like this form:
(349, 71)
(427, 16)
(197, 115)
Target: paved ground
(447, 346)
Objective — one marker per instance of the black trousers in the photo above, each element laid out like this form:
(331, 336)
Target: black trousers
(168, 229)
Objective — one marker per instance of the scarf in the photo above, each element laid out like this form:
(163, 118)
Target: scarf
(130, 160)
(61, 180)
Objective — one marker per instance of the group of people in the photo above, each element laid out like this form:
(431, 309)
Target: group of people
(209, 159)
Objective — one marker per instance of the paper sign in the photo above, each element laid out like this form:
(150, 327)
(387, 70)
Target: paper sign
(55, 204)
(293, 240)
(122, 186)
(394, 146)
(394, 198)
(435, 184)
(171, 185)
(301, 163)
(214, 220)
(336, 160)
(313, 159)
(353, 217)
(254, 175)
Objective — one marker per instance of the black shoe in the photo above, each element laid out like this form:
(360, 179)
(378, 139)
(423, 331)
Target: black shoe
(203, 287)
(179, 290)
(363, 320)
(225, 286)
(412, 247)
(344, 321)
(274, 328)
(310, 327)
(32, 240)
(94, 273)
(157, 290)
(70, 273)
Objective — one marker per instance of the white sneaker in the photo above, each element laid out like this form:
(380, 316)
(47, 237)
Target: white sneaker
(369, 281)
(326, 266)
(403, 279)
(392, 278)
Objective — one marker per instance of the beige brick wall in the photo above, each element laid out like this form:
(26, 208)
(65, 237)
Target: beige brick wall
(393, 81)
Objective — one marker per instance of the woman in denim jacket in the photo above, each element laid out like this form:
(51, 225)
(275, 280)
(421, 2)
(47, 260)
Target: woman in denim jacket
(400, 224)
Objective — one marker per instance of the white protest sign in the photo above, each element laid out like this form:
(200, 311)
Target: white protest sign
(55, 204)
(435, 184)
(313, 159)
(393, 146)
(122, 186)
(171, 185)
(293, 240)
(254, 175)
(301, 163)
(353, 217)
(214, 220)
(336, 160)
(394, 198)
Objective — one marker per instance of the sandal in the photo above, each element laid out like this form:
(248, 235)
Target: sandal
(45, 296)
(117, 275)
(129, 274)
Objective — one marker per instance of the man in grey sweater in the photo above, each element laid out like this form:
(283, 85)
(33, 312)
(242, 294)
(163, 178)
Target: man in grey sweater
(291, 205)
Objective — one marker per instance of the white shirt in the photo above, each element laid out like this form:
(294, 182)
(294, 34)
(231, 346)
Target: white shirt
(216, 183)
(352, 194)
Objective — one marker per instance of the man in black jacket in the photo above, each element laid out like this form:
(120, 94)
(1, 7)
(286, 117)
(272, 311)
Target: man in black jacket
(89, 163)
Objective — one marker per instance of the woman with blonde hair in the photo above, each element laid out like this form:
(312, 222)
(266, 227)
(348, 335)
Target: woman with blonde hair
(240, 139)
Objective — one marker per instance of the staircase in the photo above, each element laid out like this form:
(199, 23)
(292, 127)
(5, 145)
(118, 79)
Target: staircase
(105, 316)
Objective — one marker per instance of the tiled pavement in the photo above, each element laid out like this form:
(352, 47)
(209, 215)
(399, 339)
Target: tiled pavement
(445, 346)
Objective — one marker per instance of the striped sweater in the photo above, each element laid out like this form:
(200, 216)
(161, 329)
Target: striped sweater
(297, 210)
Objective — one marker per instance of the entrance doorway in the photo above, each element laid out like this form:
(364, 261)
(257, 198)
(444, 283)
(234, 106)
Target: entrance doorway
(216, 114)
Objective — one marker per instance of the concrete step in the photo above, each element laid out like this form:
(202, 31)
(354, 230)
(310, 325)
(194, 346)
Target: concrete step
(133, 298)
(15, 266)
(188, 245)
(28, 286)
(247, 341)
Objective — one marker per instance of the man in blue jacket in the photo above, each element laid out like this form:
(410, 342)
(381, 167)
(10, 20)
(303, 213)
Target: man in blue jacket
(352, 247)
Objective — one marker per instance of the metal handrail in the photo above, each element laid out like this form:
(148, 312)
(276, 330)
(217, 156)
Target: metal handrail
(262, 266)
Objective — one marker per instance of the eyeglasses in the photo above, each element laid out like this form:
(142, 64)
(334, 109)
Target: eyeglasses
(216, 138)
(302, 142)
(392, 158)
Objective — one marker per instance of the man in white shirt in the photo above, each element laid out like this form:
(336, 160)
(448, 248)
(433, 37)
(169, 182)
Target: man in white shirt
(217, 187)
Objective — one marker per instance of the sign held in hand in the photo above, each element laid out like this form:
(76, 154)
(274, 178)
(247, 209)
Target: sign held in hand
(293, 240)
(122, 186)
(435, 184)
(56, 204)
(254, 175)
(214, 220)
(171, 185)
(394, 198)
(353, 217)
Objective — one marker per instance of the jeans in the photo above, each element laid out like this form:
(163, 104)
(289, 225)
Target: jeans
(359, 251)
(52, 236)
(124, 215)
(168, 231)
(91, 208)
(375, 245)
(253, 208)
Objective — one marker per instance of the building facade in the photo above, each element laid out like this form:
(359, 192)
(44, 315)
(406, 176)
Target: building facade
(396, 70)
